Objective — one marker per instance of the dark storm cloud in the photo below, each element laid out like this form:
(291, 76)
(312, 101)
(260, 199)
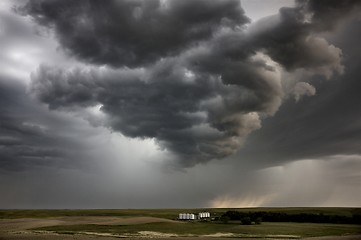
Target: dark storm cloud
(133, 32)
(326, 124)
(293, 42)
(28, 136)
(206, 83)
(326, 14)
(193, 114)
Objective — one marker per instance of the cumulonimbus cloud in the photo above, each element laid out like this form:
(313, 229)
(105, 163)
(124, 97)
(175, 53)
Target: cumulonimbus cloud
(187, 73)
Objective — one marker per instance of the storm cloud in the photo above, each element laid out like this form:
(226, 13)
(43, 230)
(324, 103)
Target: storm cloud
(133, 33)
(326, 124)
(187, 74)
(97, 108)
(27, 140)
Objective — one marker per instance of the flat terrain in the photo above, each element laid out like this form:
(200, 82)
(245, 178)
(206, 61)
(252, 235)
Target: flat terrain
(29, 223)
(84, 237)
(160, 224)
(168, 213)
(21, 228)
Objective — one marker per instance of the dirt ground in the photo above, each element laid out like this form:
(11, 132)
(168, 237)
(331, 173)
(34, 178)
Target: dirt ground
(18, 229)
(27, 223)
(30, 236)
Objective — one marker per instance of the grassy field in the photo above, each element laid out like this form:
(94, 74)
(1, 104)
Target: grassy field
(205, 228)
(128, 223)
(165, 213)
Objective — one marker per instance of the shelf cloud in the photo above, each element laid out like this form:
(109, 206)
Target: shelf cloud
(170, 103)
(188, 74)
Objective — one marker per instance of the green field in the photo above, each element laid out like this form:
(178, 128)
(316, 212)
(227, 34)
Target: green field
(295, 230)
(166, 213)
(187, 229)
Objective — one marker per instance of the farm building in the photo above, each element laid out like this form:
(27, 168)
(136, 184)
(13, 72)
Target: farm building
(204, 215)
(191, 216)
(187, 216)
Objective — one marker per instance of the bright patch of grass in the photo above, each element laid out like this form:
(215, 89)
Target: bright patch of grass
(205, 228)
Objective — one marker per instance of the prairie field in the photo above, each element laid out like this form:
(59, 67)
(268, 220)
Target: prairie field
(163, 224)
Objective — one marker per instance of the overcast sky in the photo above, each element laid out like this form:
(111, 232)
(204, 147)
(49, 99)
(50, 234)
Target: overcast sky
(177, 104)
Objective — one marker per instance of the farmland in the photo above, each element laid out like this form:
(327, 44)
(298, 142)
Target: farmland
(162, 224)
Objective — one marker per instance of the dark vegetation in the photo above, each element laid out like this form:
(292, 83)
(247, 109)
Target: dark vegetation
(256, 215)
(247, 218)
(242, 222)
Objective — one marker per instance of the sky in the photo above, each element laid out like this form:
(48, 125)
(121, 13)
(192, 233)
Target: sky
(180, 104)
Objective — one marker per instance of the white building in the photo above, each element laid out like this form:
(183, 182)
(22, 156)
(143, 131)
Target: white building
(203, 215)
(191, 216)
(187, 216)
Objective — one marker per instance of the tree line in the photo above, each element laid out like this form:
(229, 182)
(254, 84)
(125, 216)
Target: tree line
(256, 217)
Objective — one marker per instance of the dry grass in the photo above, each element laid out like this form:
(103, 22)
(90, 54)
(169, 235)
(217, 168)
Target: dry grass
(7, 225)
(19, 228)
(144, 224)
